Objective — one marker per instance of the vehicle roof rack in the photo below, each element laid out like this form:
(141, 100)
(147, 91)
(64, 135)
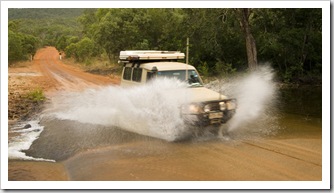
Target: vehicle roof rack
(136, 55)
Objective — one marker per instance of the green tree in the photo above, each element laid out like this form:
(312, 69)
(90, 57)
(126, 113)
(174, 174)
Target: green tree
(85, 49)
(82, 50)
(15, 50)
(71, 51)
(291, 40)
(88, 20)
(244, 15)
(30, 44)
(21, 46)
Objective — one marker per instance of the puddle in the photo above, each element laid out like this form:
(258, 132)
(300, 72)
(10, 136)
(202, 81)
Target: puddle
(25, 135)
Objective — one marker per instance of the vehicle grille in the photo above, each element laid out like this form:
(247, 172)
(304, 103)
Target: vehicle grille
(213, 106)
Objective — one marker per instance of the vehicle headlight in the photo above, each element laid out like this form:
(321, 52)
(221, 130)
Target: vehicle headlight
(193, 108)
(222, 106)
(232, 104)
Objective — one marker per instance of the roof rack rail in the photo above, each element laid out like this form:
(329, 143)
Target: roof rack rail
(135, 55)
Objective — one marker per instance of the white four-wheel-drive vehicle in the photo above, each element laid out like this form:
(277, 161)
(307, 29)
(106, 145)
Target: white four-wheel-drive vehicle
(206, 107)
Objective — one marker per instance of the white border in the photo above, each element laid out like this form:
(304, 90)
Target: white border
(165, 4)
(324, 184)
(4, 96)
(326, 94)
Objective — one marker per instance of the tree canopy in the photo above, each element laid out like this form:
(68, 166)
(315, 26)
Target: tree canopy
(287, 38)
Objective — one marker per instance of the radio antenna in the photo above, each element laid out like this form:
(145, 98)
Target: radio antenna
(187, 57)
(187, 51)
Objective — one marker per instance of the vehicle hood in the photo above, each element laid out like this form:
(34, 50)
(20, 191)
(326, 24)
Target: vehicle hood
(202, 94)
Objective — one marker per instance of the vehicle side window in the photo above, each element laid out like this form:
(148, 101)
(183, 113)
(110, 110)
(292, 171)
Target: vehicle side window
(137, 74)
(127, 73)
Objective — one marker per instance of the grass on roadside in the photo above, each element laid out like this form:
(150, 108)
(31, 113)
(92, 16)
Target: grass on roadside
(36, 95)
(96, 66)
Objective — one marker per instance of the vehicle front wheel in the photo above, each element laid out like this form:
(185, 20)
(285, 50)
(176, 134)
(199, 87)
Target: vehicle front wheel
(223, 132)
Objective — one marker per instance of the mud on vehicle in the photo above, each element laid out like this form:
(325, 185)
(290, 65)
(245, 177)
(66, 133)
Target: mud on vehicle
(206, 109)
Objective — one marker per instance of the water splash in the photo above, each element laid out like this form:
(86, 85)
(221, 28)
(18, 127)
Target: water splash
(24, 137)
(256, 95)
(152, 109)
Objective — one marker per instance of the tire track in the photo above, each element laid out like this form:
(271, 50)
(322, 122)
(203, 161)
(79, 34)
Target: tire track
(213, 160)
(291, 151)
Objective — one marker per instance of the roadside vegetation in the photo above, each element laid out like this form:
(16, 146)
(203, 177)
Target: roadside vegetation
(222, 41)
(36, 95)
(24, 102)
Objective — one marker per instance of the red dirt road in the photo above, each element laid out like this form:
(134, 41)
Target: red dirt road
(49, 73)
(58, 76)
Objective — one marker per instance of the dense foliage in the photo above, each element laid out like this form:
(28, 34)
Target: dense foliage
(288, 39)
(30, 29)
(46, 13)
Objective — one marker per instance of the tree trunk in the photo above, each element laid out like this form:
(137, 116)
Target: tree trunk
(243, 15)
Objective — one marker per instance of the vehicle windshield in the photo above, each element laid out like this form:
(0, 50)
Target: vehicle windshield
(193, 78)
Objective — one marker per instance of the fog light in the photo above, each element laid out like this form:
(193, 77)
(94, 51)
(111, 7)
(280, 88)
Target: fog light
(207, 108)
(222, 106)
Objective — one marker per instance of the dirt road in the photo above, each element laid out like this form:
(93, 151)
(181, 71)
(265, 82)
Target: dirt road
(49, 73)
(58, 76)
(139, 158)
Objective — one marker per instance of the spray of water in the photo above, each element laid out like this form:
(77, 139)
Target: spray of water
(256, 94)
(152, 109)
(23, 140)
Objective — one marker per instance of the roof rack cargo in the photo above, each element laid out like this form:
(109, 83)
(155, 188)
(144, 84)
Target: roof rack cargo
(133, 55)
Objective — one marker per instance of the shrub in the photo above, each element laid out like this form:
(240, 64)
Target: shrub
(36, 95)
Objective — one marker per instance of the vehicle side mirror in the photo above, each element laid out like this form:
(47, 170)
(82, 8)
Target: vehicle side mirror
(154, 69)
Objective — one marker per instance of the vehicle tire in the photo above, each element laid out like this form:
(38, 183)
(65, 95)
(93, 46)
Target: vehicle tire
(222, 132)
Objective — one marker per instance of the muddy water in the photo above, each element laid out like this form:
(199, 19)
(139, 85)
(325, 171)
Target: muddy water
(282, 143)
(301, 111)
(288, 147)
